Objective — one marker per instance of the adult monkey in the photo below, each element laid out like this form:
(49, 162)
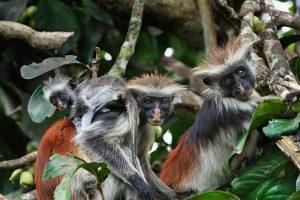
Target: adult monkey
(154, 94)
(196, 164)
(107, 144)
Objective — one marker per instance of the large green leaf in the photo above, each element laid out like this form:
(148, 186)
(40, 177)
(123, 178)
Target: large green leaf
(67, 166)
(91, 34)
(97, 12)
(259, 173)
(36, 69)
(277, 189)
(266, 110)
(295, 66)
(214, 195)
(280, 127)
(38, 107)
(295, 196)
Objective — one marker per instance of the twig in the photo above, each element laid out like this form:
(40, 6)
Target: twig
(128, 46)
(228, 11)
(27, 159)
(96, 63)
(208, 25)
(39, 40)
(288, 147)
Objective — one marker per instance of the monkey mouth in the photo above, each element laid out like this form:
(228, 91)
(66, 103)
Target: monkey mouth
(155, 122)
(246, 95)
(61, 107)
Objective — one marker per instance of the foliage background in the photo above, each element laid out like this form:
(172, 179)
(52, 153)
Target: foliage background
(93, 26)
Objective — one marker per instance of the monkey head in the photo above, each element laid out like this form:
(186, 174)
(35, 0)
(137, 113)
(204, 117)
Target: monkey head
(59, 91)
(229, 72)
(154, 94)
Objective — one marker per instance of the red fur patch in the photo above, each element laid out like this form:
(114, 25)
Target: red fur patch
(177, 167)
(57, 139)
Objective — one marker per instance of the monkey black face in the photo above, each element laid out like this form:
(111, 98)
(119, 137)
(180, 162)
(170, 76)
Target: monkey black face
(238, 82)
(60, 99)
(155, 108)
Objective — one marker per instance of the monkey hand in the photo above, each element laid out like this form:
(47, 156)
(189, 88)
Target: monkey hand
(144, 190)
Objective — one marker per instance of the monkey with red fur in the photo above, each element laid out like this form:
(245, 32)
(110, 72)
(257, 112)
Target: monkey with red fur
(197, 162)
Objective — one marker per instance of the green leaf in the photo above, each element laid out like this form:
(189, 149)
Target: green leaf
(295, 66)
(214, 195)
(259, 173)
(146, 47)
(36, 69)
(59, 165)
(288, 40)
(277, 189)
(38, 107)
(97, 12)
(91, 34)
(63, 190)
(53, 15)
(266, 110)
(99, 170)
(280, 127)
(295, 196)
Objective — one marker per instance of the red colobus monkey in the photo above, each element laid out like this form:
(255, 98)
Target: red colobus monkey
(154, 95)
(197, 162)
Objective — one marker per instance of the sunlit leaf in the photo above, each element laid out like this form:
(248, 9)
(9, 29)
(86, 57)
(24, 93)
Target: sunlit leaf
(277, 189)
(218, 195)
(259, 173)
(295, 196)
(266, 110)
(38, 107)
(281, 127)
(36, 69)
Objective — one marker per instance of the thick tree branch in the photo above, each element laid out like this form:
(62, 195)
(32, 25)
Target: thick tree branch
(11, 164)
(128, 46)
(208, 25)
(286, 19)
(39, 40)
(179, 17)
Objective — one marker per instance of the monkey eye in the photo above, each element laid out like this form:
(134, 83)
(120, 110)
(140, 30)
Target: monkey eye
(240, 72)
(227, 81)
(165, 101)
(148, 101)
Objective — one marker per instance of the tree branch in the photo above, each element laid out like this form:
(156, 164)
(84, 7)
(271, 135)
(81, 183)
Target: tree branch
(228, 11)
(289, 148)
(11, 164)
(208, 25)
(128, 46)
(38, 40)
(286, 19)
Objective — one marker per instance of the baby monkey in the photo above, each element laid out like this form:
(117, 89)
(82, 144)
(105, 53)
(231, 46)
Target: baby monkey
(62, 93)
